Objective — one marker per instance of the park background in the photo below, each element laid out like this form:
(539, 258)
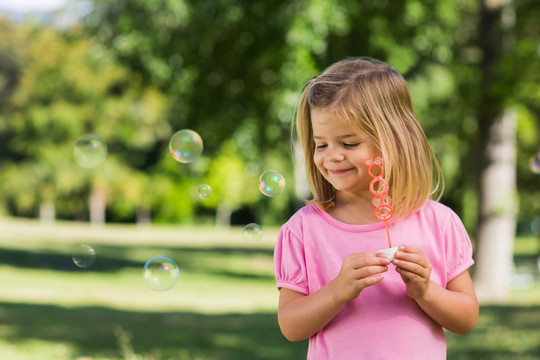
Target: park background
(136, 71)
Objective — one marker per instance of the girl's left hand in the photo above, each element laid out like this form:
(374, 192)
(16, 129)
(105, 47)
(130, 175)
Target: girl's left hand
(415, 270)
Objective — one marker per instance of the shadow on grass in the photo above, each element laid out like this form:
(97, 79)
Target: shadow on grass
(502, 333)
(110, 258)
(98, 332)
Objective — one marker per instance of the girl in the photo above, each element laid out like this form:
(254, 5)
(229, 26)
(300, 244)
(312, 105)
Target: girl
(351, 302)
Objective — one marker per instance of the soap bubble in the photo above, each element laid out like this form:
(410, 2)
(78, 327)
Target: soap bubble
(271, 183)
(186, 146)
(161, 273)
(83, 256)
(535, 164)
(204, 191)
(89, 151)
(253, 232)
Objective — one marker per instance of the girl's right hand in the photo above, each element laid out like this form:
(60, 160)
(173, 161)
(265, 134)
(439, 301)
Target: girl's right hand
(358, 271)
(301, 316)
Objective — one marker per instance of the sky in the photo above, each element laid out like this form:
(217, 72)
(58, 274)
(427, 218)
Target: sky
(32, 5)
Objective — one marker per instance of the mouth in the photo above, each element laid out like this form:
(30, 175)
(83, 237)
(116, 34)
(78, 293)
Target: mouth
(338, 172)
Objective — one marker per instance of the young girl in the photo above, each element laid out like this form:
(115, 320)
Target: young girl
(351, 302)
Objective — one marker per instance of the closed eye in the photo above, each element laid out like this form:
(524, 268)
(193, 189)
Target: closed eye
(320, 146)
(351, 145)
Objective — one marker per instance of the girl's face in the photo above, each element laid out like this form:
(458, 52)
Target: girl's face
(341, 152)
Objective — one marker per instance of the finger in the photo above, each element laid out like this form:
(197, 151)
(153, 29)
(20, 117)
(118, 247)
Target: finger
(372, 280)
(409, 249)
(411, 267)
(368, 271)
(363, 261)
(408, 275)
(363, 256)
(369, 281)
(411, 252)
(404, 278)
(416, 258)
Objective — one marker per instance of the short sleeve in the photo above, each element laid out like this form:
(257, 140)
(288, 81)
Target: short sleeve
(458, 248)
(290, 262)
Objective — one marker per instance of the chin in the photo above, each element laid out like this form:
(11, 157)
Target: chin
(344, 188)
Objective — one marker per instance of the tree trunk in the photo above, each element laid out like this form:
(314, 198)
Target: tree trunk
(47, 212)
(97, 205)
(144, 216)
(223, 215)
(497, 204)
(497, 211)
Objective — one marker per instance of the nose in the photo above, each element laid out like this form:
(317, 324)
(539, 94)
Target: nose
(334, 154)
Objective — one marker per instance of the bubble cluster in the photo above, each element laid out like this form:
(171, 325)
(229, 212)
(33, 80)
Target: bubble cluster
(84, 256)
(89, 151)
(204, 191)
(535, 164)
(161, 273)
(186, 146)
(253, 232)
(271, 183)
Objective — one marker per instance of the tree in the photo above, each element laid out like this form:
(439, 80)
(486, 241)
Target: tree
(232, 184)
(218, 62)
(67, 86)
(527, 93)
(232, 71)
(497, 160)
(502, 44)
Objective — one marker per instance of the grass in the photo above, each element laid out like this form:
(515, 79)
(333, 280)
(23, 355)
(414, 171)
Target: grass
(223, 306)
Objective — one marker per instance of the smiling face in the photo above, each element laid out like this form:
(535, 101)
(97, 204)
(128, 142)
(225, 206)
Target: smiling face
(341, 152)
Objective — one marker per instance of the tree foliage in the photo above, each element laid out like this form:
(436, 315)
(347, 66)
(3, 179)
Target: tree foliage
(139, 70)
(67, 86)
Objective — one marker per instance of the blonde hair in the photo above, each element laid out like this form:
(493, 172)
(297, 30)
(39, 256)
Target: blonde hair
(374, 99)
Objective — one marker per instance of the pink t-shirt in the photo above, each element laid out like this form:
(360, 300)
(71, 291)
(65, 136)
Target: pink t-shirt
(383, 322)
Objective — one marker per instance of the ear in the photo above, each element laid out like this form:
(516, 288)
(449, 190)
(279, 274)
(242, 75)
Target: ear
(378, 160)
(369, 162)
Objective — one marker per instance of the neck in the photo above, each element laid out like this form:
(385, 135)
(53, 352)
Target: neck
(354, 208)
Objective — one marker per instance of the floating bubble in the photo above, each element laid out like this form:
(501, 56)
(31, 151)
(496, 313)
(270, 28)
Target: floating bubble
(271, 183)
(186, 146)
(253, 232)
(535, 164)
(89, 151)
(204, 191)
(84, 256)
(161, 273)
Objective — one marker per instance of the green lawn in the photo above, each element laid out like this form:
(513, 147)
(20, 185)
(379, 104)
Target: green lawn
(223, 306)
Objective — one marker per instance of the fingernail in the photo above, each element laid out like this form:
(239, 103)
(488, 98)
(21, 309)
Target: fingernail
(401, 247)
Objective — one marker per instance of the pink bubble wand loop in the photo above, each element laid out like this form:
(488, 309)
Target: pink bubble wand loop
(379, 189)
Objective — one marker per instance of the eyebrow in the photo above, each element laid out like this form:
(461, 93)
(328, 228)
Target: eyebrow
(341, 136)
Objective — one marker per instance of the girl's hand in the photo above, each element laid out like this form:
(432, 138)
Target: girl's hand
(358, 271)
(415, 270)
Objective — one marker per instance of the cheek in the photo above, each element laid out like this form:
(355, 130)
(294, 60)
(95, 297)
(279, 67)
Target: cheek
(318, 160)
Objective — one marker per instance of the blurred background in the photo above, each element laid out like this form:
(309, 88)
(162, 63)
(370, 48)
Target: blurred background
(135, 72)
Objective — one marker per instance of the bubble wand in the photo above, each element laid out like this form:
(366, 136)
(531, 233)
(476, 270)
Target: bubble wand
(381, 200)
